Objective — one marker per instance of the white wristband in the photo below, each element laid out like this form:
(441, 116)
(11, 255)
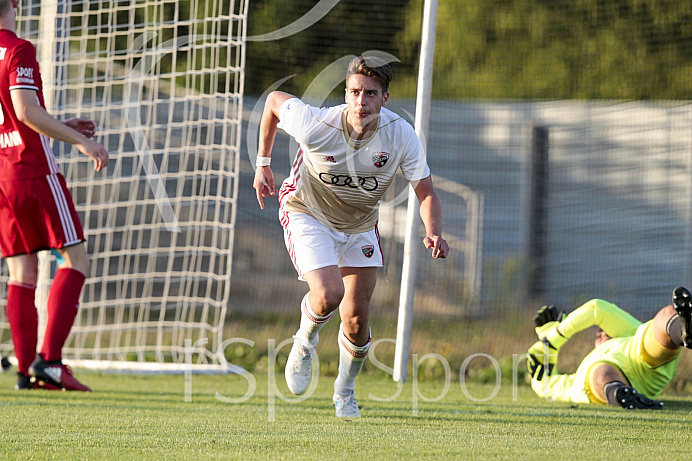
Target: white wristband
(263, 161)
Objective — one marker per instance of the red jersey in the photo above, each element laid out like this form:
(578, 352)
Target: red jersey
(24, 153)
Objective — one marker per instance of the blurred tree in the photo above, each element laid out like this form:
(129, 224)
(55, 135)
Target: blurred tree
(351, 27)
(485, 49)
(534, 49)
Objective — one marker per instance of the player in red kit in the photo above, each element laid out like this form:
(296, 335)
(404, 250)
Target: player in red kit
(37, 212)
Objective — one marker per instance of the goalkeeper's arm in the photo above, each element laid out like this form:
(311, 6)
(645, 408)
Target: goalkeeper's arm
(542, 358)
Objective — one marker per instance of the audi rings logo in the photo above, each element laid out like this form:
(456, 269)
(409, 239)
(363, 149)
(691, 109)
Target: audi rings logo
(368, 183)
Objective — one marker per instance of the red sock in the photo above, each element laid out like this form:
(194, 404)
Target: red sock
(23, 318)
(63, 303)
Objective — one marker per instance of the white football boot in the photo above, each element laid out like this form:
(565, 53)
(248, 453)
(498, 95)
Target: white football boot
(346, 407)
(298, 366)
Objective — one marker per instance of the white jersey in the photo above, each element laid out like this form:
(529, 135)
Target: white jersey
(338, 180)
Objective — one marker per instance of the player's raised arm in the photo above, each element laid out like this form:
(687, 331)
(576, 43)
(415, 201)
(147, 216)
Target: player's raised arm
(431, 214)
(264, 177)
(30, 112)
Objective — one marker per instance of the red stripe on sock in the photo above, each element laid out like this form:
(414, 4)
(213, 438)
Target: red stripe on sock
(314, 318)
(349, 346)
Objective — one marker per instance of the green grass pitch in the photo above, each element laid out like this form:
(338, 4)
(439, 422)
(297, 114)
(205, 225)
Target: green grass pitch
(148, 417)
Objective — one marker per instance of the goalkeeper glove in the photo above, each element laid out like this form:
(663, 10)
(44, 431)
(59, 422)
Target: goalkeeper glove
(547, 314)
(546, 320)
(542, 360)
(543, 354)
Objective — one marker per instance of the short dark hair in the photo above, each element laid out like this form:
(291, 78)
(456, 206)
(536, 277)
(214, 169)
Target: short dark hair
(5, 7)
(371, 66)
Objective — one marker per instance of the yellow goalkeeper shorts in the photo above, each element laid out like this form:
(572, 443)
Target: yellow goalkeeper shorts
(630, 355)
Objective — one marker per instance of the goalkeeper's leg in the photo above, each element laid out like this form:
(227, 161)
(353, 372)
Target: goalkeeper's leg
(682, 304)
(663, 338)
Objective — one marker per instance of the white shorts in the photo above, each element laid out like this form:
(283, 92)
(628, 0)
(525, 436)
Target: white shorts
(313, 245)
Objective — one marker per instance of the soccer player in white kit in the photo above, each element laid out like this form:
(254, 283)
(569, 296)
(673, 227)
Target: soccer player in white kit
(328, 207)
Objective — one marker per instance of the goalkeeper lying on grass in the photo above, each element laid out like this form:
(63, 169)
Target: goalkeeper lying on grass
(631, 363)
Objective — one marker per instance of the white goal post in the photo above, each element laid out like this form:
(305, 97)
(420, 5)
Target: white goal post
(408, 271)
(163, 79)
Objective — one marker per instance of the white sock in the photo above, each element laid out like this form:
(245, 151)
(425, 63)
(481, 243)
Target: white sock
(351, 359)
(311, 323)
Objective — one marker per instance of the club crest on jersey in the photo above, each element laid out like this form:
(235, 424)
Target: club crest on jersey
(379, 159)
(368, 250)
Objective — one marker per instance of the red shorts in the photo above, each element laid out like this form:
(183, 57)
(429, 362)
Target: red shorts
(37, 214)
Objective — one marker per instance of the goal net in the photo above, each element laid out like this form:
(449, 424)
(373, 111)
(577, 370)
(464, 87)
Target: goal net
(163, 79)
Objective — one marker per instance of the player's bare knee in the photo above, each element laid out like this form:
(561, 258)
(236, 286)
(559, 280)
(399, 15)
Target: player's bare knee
(326, 302)
(333, 298)
(355, 327)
